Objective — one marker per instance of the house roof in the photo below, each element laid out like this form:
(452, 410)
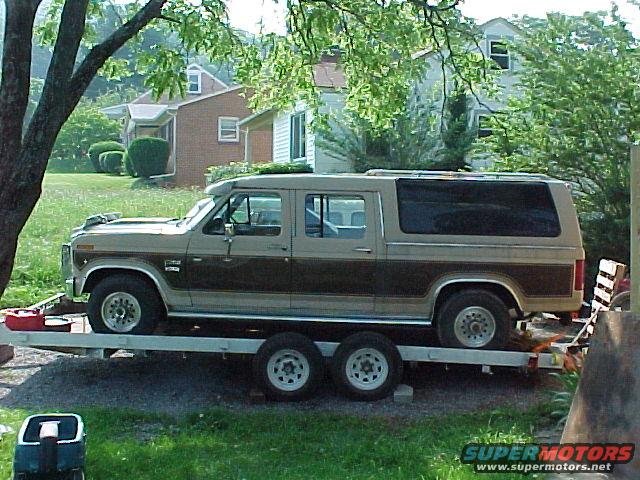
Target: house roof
(329, 74)
(196, 66)
(209, 95)
(258, 120)
(115, 112)
(141, 112)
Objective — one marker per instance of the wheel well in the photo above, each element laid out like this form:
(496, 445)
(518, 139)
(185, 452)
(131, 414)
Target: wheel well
(97, 276)
(498, 290)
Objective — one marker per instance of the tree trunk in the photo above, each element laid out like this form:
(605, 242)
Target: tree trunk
(18, 197)
(23, 158)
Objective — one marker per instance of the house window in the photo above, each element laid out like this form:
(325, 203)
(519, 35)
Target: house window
(499, 54)
(298, 136)
(228, 130)
(195, 81)
(484, 126)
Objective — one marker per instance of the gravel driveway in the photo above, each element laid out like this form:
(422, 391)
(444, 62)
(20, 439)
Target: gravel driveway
(176, 384)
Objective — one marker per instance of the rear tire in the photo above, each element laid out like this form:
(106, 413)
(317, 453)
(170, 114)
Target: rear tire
(474, 319)
(366, 366)
(125, 304)
(288, 367)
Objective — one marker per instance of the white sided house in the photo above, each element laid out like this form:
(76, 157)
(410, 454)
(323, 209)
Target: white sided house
(294, 139)
(497, 35)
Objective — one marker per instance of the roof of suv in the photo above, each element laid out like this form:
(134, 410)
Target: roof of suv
(363, 181)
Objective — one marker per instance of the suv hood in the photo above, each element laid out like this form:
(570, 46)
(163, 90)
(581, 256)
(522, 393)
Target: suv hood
(153, 225)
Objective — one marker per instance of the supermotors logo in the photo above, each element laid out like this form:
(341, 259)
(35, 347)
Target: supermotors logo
(546, 457)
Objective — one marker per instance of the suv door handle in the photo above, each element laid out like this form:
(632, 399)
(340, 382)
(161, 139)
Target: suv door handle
(362, 249)
(276, 246)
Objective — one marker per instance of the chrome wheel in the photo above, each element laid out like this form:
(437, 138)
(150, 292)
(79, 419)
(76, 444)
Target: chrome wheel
(474, 327)
(121, 312)
(367, 369)
(288, 370)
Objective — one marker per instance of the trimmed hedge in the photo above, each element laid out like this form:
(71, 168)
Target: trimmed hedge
(149, 156)
(111, 162)
(128, 165)
(70, 165)
(274, 168)
(241, 169)
(99, 148)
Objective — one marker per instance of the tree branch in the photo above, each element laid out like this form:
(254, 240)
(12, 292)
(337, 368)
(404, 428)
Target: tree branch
(99, 54)
(16, 71)
(424, 4)
(66, 48)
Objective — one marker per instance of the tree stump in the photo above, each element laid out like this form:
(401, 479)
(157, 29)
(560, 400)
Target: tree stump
(606, 405)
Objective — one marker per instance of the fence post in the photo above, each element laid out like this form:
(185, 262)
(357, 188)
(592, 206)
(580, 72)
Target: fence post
(635, 227)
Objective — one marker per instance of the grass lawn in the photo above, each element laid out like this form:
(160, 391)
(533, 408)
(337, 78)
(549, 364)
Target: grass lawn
(272, 445)
(67, 199)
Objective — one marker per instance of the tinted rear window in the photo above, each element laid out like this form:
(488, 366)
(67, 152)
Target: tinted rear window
(469, 207)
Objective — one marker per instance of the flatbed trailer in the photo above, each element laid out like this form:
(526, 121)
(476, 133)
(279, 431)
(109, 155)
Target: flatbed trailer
(81, 341)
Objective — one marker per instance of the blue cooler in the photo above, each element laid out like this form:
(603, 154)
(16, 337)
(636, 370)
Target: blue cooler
(50, 446)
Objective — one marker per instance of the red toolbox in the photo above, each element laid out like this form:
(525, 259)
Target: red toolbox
(23, 319)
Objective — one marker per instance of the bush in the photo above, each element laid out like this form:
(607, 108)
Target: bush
(149, 156)
(241, 169)
(98, 148)
(274, 168)
(111, 162)
(128, 165)
(70, 165)
(222, 172)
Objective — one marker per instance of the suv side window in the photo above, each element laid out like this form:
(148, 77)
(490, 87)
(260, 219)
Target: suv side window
(334, 216)
(252, 214)
(471, 207)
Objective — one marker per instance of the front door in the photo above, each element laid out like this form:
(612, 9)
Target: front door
(334, 253)
(251, 270)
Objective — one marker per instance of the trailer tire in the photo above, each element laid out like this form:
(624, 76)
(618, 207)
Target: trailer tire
(288, 367)
(125, 304)
(474, 319)
(366, 366)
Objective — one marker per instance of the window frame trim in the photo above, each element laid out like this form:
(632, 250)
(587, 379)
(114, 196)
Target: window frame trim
(228, 140)
(198, 73)
(302, 128)
(507, 55)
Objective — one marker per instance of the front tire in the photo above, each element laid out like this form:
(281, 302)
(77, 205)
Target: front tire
(474, 319)
(125, 304)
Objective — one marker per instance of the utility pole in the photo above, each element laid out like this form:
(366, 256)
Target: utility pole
(635, 228)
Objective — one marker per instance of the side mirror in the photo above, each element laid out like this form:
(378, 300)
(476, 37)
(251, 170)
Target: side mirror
(229, 230)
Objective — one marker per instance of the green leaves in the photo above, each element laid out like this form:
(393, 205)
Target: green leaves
(376, 42)
(578, 112)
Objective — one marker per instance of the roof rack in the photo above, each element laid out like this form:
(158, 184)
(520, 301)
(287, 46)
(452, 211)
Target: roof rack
(381, 172)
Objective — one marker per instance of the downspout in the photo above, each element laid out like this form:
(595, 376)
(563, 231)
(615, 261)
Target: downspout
(248, 154)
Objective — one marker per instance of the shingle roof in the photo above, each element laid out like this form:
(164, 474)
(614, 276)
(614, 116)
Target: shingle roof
(146, 112)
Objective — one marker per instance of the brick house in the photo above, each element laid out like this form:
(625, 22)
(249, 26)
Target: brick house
(202, 129)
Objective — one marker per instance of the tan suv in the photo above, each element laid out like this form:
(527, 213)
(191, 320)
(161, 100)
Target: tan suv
(466, 253)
